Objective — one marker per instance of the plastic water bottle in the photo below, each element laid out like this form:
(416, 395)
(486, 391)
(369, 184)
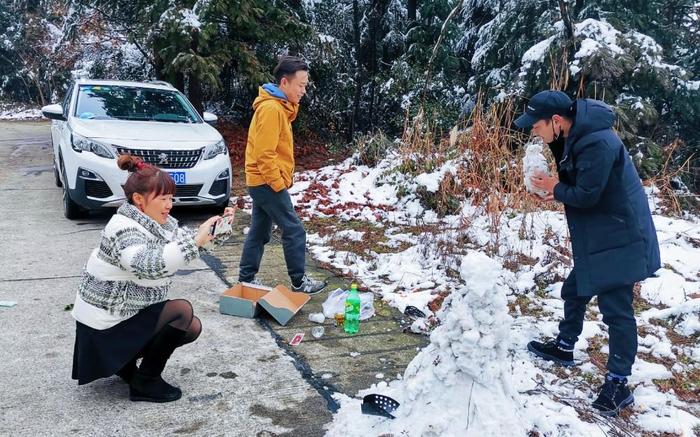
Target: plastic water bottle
(352, 311)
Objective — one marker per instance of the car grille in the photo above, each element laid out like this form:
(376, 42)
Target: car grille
(98, 189)
(187, 190)
(165, 158)
(218, 187)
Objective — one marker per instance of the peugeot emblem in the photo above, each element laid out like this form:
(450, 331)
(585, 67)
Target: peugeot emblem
(162, 158)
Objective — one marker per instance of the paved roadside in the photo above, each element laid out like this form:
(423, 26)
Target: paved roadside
(235, 378)
(336, 362)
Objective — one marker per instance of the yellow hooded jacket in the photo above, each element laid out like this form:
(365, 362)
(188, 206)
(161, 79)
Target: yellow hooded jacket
(269, 153)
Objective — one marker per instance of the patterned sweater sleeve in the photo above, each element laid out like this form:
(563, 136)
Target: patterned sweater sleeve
(149, 259)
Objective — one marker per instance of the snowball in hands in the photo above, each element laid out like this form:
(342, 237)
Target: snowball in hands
(533, 162)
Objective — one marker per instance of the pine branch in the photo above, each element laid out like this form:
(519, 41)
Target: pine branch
(443, 31)
(130, 30)
(564, 10)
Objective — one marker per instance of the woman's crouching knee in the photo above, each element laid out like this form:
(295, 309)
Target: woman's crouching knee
(193, 330)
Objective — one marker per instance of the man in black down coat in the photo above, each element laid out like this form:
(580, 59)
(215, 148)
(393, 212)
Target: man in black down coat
(612, 233)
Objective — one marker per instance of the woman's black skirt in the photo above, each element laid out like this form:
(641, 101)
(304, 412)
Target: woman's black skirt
(102, 353)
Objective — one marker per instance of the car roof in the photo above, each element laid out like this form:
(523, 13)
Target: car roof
(154, 84)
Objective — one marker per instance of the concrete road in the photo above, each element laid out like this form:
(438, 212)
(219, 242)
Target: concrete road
(236, 380)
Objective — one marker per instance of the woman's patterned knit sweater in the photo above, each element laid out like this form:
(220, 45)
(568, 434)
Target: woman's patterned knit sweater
(132, 267)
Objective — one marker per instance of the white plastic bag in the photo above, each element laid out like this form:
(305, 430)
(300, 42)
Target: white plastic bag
(534, 161)
(335, 303)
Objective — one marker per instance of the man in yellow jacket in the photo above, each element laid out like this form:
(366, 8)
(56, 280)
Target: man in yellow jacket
(269, 168)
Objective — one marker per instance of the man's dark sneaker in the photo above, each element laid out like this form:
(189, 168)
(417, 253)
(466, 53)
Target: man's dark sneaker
(309, 285)
(256, 283)
(552, 351)
(614, 396)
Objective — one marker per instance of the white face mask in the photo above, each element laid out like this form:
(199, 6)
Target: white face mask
(557, 137)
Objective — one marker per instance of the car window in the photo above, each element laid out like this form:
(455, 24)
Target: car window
(66, 101)
(133, 103)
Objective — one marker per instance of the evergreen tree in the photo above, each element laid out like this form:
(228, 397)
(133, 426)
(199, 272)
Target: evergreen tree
(194, 44)
(519, 48)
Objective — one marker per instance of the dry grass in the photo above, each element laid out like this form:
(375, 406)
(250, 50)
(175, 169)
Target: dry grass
(664, 361)
(514, 261)
(682, 340)
(487, 167)
(436, 303)
(674, 202)
(639, 303)
(599, 359)
(527, 307)
(685, 385)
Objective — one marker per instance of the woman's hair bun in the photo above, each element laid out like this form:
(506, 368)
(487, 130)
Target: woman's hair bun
(128, 163)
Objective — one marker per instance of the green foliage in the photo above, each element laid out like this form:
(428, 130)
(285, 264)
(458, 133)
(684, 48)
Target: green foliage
(371, 67)
(625, 53)
(34, 60)
(372, 148)
(208, 45)
(444, 202)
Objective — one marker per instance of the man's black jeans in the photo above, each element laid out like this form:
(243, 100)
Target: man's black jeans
(618, 314)
(270, 207)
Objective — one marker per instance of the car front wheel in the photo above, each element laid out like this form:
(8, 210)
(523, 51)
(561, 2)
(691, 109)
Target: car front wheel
(57, 178)
(71, 209)
(56, 174)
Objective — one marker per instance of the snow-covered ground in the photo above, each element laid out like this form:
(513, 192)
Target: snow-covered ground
(13, 112)
(502, 283)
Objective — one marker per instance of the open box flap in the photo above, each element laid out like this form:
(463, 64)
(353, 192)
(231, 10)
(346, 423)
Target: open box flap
(282, 304)
(241, 300)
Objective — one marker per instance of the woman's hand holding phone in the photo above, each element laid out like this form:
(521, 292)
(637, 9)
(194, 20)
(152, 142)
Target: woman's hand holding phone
(203, 232)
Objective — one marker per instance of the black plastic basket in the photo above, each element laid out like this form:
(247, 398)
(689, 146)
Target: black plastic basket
(413, 312)
(379, 405)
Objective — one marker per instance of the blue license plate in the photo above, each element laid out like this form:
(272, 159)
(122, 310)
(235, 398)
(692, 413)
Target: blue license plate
(178, 177)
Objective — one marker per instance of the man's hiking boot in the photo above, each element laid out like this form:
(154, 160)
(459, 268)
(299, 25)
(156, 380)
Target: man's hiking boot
(552, 351)
(614, 395)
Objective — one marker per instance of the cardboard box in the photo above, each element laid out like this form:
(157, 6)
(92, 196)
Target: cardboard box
(242, 300)
(282, 303)
(247, 300)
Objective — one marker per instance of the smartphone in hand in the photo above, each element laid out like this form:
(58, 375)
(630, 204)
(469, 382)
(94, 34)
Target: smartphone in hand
(212, 229)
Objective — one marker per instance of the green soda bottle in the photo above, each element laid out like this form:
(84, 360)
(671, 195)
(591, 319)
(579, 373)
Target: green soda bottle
(352, 311)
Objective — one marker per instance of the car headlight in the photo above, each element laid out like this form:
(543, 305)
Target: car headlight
(82, 144)
(215, 149)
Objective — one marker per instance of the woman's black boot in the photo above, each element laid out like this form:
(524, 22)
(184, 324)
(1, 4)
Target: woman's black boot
(147, 384)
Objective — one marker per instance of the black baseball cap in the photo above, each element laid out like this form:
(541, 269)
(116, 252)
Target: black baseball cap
(544, 105)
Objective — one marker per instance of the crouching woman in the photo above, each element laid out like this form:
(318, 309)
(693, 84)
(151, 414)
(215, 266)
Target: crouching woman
(121, 309)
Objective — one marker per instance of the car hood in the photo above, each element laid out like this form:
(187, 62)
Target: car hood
(146, 131)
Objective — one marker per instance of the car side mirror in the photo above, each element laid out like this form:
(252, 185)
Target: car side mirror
(210, 118)
(54, 112)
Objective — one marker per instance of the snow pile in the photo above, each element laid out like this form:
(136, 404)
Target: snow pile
(21, 114)
(467, 360)
(460, 384)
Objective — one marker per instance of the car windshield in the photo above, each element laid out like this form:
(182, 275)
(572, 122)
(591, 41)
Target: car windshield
(107, 102)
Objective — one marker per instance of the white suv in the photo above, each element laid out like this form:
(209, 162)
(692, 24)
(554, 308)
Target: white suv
(99, 120)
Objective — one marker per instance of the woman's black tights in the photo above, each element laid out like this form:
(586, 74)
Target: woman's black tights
(178, 314)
